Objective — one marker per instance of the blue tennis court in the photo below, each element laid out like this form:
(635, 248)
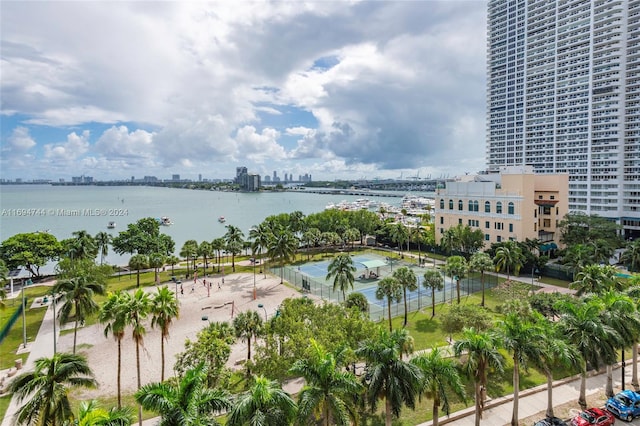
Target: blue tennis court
(370, 293)
(319, 269)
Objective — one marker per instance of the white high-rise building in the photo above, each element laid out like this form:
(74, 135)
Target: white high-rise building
(563, 95)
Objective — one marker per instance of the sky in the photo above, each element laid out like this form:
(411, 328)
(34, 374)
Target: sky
(335, 89)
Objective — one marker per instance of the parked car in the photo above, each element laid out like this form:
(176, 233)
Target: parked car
(550, 421)
(593, 417)
(625, 405)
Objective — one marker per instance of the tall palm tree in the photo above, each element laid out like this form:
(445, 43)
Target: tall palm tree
(206, 252)
(594, 279)
(83, 246)
(408, 281)
(578, 256)
(480, 262)
(78, 293)
(417, 234)
(103, 239)
(634, 292)
(631, 256)
(523, 339)
(173, 261)
(311, 237)
(189, 251)
(91, 414)
(247, 325)
(509, 258)
(156, 261)
(217, 245)
(282, 246)
(389, 288)
(47, 387)
(164, 308)
(137, 309)
(233, 237)
(114, 315)
(399, 234)
(439, 376)
(456, 267)
(188, 402)
(433, 279)
(387, 376)
(481, 349)
(329, 390)
(265, 403)
(138, 262)
(582, 325)
(342, 270)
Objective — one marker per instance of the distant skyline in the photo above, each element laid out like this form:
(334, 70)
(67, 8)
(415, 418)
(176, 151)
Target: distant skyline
(338, 89)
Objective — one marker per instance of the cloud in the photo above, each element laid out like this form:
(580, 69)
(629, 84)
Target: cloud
(20, 140)
(64, 153)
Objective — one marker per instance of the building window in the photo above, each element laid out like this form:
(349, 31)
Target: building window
(498, 238)
(442, 204)
(552, 197)
(539, 197)
(486, 237)
(511, 208)
(460, 204)
(470, 205)
(487, 207)
(441, 220)
(487, 224)
(459, 221)
(511, 227)
(450, 204)
(546, 223)
(499, 207)
(442, 230)
(546, 211)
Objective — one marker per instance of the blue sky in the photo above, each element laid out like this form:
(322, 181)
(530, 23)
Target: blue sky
(337, 89)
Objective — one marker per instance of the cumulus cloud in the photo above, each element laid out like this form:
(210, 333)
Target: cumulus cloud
(75, 146)
(20, 140)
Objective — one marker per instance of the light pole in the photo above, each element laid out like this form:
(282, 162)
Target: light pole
(255, 292)
(53, 302)
(24, 315)
(534, 270)
(260, 305)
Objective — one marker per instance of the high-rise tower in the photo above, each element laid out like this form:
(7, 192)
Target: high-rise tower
(563, 95)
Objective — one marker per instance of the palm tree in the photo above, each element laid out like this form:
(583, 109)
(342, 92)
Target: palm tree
(634, 293)
(350, 235)
(114, 315)
(173, 261)
(329, 390)
(581, 323)
(399, 235)
(341, 269)
(137, 308)
(390, 288)
(417, 234)
(206, 252)
(4, 272)
(233, 238)
(311, 237)
(188, 402)
(83, 246)
(189, 251)
(456, 267)
(439, 376)
(594, 279)
(387, 376)
(78, 293)
(407, 280)
(509, 257)
(156, 261)
(103, 240)
(433, 279)
(47, 386)
(91, 414)
(523, 339)
(164, 308)
(247, 325)
(265, 403)
(138, 262)
(282, 246)
(631, 256)
(480, 262)
(578, 256)
(217, 244)
(481, 349)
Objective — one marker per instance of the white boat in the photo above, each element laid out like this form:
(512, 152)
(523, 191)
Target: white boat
(111, 225)
(221, 219)
(165, 221)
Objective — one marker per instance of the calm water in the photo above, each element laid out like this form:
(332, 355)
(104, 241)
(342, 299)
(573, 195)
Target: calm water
(194, 213)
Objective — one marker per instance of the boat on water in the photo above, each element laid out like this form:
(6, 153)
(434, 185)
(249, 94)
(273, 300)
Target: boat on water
(165, 221)
(221, 219)
(111, 225)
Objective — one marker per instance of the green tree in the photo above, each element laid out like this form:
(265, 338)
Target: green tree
(217, 244)
(189, 251)
(233, 238)
(387, 376)
(264, 404)
(282, 247)
(522, 339)
(459, 317)
(30, 250)
(143, 237)
(138, 262)
(164, 308)
(311, 237)
(189, 402)
(114, 315)
(137, 309)
(408, 281)
(482, 352)
(156, 261)
(439, 376)
(47, 389)
(81, 246)
(206, 252)
(329, 392)
(103, 240)
(509, 258)
(631, 256)
(595, 279)
(480, 262)
(247, 326)
(78, 293)
(389, 288)
(579, 228)
(357, 300)
(457, 268)
(433, 280)
(91, 414)
(4, 273)
(350, 236)
(399, 235)
(342, 270)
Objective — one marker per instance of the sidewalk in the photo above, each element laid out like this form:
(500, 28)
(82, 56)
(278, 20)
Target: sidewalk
(534, 401)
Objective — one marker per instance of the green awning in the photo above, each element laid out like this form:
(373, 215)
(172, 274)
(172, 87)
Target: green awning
(374, 263)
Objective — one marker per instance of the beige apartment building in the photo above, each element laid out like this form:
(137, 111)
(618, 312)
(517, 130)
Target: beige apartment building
(514, 205)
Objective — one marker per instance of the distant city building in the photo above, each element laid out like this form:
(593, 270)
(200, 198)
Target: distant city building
(267, 179)
(150, 179)
(515, 205)
(247, 181)
(175, 178)
(82, 179)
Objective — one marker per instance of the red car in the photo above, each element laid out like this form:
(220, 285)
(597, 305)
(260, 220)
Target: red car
(593, 417)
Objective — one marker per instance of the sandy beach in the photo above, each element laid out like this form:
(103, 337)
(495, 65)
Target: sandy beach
(198, 306)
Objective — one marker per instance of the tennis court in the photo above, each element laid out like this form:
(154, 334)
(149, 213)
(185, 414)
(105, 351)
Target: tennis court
(319, 269)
